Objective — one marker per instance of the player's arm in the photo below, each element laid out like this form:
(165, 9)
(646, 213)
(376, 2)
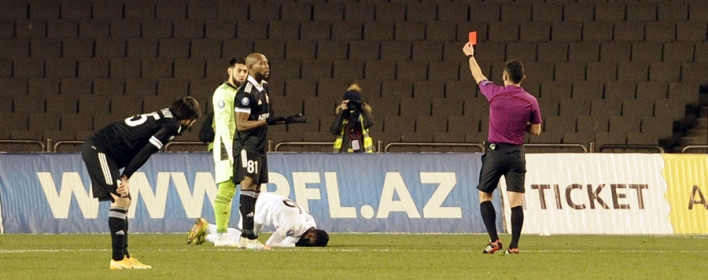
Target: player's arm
(243, 123)
(533, 128)
(477, 74)
(222, 117)
(282, 237)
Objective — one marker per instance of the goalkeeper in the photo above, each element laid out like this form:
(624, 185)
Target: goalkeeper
(293, 225)
(224, 131)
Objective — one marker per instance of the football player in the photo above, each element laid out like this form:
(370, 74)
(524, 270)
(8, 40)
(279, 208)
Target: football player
(293, 225)
(127, 144)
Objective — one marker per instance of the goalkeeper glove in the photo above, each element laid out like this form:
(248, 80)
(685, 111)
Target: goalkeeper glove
(272, 120)
(297, 118)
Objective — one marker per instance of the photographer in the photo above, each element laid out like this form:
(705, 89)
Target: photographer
(352, 124)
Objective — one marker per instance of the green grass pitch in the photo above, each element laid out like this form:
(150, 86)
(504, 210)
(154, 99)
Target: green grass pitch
(362, 256)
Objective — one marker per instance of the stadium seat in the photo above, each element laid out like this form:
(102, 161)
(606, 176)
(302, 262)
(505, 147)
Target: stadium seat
(516, 11)
(73, 122)
(110, 47)
(664, 71)
(44, 121)
(610, 11)
(94, 103)
(639, 107)
(570, 71)
(124, 67)
(566, 31)
(553, 51)
(625, 124)
(605, 107)
(347, 30)
(418, 106)
(670, 109)
(273, 49)
(556, 123)
(63, 103)
(661, 31)
(629, 31)
(647, 51)
(300, 49)
(620, 90)
(378, 31)
(444, 71)
(453, 11)
(574, 107)
(694, 71)
(503, 31)
(640, 138)
(138, 9)
(409, 30)
(172, 87)
(332, 50)
(139, 87)
(421, 11)
(547, 11)
(672, 11)
(364, 50)
(299, 87)
(597, 31)
(427, 50)
(380, 69)
(588, 89)
(316, 69)
(429, 125)
(413, 70)
(447, 107)
(649, 91)
(679, 52)
(429, 89)
(659, 127)
(615, 51)
(632, 71)
(258, 29)
(60, 67)
(444, 31)
(592, 124)
(396, 50)
(641, 11)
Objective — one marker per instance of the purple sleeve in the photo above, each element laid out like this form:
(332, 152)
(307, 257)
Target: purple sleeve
(489, 89)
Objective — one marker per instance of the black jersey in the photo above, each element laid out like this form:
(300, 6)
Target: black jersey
(253, 99)
(130, 142)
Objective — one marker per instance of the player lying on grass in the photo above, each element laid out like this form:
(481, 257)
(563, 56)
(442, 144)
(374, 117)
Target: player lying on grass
(293, 225)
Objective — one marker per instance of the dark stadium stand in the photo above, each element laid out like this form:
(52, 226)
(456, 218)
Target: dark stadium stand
(607, 72)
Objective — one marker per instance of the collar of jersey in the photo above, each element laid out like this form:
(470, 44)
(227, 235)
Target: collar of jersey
(255, 83)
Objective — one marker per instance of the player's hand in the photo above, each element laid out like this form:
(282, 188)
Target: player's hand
(124, 188)
(273, 120)
(297, 118)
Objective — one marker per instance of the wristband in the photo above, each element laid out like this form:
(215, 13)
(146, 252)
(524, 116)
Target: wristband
(470, 56)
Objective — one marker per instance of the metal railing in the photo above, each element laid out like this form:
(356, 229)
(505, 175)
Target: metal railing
(41, 145)
(431, 144)
(630, 147)
(694, 147)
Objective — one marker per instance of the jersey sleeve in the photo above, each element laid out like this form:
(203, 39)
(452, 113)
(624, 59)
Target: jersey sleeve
(222, 121)
(167, 131)
(284, 236)
(242, 103)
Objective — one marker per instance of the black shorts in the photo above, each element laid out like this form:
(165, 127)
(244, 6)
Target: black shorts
(103, 170)
(249, 164)
(503, 159)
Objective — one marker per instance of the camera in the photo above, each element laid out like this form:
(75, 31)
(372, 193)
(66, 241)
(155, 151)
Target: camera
(354, 105)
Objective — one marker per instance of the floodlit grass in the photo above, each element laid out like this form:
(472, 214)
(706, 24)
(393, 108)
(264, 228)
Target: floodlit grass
(362, 256)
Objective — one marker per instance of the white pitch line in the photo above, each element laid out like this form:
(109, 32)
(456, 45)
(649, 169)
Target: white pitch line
(388, 250)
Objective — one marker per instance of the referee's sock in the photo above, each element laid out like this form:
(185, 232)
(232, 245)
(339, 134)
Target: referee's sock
(117, 225)
(247, 207)
(517, 222)
(489, 216)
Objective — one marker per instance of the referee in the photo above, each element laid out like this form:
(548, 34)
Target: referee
(512, 112)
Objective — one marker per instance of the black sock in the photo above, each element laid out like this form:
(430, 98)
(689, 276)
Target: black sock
(125, 246)
(517, 222)
(116, 225)
(247, 207)
(489, 216)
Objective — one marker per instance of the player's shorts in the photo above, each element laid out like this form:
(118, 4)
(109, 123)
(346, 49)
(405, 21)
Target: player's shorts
(103, 170)
(250, 164)
(503, 159)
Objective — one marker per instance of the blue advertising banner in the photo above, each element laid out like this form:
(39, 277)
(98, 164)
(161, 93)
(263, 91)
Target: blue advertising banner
(50, 193)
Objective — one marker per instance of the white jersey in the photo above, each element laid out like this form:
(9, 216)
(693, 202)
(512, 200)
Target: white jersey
(288, 218)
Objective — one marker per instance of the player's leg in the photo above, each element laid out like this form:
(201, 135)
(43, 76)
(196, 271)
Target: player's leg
(222, 205)
(104, 181)
(488, 181)
(515, 180)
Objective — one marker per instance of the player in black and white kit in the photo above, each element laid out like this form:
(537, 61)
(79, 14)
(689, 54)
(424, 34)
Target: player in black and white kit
(128, 144)
(253, 115)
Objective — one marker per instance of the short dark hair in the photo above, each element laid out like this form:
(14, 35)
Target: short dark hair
(185, 108)
(322, 238)
(515, 70)
(237, 60)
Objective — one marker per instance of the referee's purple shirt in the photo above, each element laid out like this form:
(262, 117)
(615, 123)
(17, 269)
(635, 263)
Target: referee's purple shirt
(510, 108)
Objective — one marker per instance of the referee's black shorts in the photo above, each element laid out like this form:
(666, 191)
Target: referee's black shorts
(104, 172)
(502, 159)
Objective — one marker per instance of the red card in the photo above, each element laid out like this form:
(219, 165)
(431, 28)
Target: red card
(473, 37)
